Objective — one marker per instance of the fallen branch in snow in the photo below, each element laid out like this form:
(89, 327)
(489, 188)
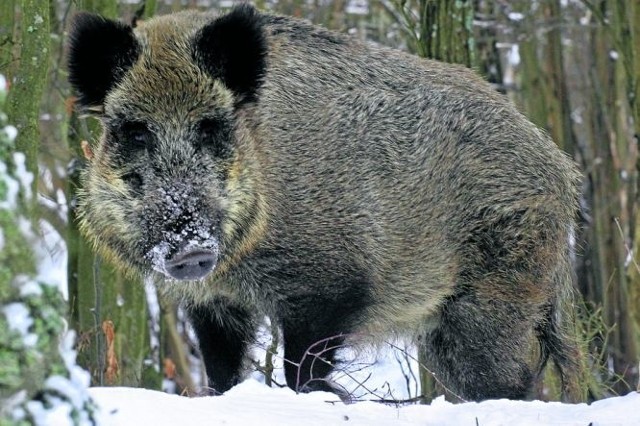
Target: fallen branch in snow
(381, 395)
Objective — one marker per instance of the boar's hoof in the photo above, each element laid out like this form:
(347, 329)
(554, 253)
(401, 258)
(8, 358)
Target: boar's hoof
(191, 265)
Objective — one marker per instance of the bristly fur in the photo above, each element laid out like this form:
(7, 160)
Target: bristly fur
(345, 190)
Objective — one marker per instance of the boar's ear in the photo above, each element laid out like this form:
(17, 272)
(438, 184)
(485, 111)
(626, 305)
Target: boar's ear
(100, 52)
(233, 48)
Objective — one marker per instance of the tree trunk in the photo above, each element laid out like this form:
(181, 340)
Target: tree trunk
(631, 10)
(446, 31)
(29, 82)
(7, 42)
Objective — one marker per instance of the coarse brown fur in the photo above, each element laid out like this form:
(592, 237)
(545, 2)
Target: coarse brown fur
(341, 188)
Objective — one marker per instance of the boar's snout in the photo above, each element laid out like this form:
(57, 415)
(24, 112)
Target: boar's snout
(191, 265)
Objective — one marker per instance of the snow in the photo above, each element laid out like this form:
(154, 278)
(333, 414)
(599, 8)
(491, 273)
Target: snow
(63, 398)
(515, 16)
(514, 55)
(12, 132)
(27, 286)
(19, 320)
(51, 255)
(384, 372)
(12, 186)
(63, 386)
(357, 7)
(179, 207)
(252, 403)
(22, 174)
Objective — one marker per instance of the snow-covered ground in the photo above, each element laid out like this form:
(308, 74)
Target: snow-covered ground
(252, 403)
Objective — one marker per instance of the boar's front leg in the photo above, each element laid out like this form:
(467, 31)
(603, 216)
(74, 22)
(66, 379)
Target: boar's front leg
(224, 330)
(315, 327)
(310, 357)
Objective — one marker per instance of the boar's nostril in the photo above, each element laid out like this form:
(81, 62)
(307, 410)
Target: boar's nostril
(191, 265)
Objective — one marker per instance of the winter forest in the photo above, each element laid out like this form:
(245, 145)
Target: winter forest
(73, 326)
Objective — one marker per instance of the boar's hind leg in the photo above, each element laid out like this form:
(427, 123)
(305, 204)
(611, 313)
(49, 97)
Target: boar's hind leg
(224, 330)
(480, 349)
(558, 341)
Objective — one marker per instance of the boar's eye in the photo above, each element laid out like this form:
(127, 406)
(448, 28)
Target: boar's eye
(210, 129)
(134, 180)
(213, 134)
(135, 136)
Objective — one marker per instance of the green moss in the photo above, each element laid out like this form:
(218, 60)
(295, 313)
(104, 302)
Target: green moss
(16, 254)
(3, 190)
(7, 422)
(5, 281)
(10, 369)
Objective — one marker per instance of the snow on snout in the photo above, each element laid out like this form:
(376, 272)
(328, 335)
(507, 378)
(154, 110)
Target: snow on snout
(179, 225)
